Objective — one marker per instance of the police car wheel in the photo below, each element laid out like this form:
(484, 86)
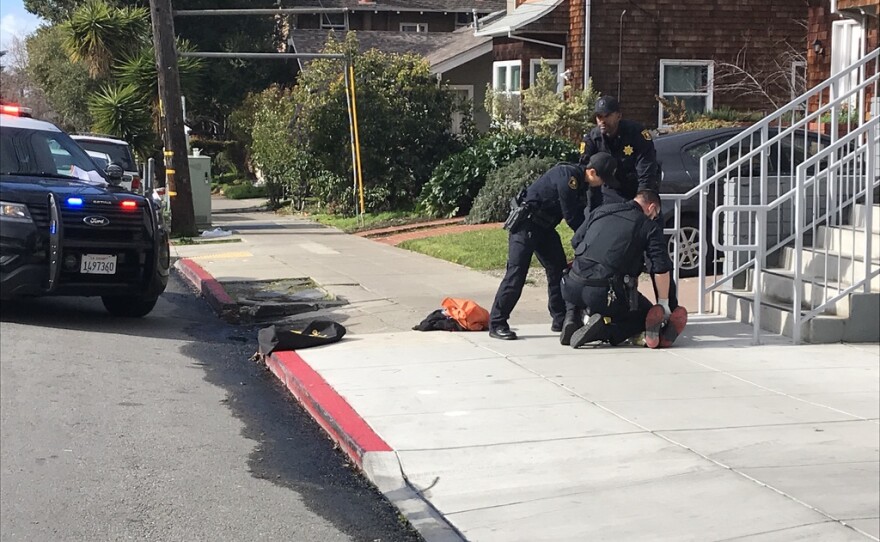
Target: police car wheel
(689, 255)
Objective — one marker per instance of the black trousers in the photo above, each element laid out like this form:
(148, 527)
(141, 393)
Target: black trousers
(546, 245)
(625, 323)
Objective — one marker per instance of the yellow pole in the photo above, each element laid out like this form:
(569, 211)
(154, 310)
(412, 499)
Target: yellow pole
(354, 173)
(357, 142)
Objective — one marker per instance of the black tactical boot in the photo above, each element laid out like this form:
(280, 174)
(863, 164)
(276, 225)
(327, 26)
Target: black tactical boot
(574, 319)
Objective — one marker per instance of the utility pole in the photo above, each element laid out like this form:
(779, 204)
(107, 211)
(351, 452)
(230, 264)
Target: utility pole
(177, 168)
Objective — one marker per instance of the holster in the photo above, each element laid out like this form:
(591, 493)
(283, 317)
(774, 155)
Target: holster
(631, 291)
(518, 216)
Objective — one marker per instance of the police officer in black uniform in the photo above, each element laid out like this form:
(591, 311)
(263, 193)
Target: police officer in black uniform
(603, 280)
(629, 143)
(637, 167)
(556, 195)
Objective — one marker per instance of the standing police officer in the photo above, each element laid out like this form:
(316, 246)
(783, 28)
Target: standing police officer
(556, 195)
(629, 143)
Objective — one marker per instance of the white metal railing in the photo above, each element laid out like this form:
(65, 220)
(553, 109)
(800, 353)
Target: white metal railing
(769, 177)
(850, 185)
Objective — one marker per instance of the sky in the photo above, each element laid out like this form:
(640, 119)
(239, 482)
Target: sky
(15, 21)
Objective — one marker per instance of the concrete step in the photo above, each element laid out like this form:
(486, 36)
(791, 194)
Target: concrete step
(831, 266)
(777, 318)
(778, 287)
(859, 216)
(849, 240)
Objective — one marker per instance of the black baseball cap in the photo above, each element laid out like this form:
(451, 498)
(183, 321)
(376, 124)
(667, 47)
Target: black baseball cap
(605, 166)
(607, 105)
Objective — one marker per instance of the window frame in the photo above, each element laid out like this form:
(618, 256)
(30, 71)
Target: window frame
(327, 25)
(468, 16)
(418, 26)
(506, 64)
(710, 85)
(456, 122)
(535, 64)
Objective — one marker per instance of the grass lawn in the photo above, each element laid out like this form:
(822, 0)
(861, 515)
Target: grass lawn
(370, 221)
(480, 249)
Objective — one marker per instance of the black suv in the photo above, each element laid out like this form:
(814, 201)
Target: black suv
(67, 228)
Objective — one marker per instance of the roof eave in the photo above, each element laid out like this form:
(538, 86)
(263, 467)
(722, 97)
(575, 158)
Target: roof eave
(464, 57)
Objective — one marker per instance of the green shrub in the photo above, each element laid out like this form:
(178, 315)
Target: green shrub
(243, 191)
(703, 124)
(225, 178)
(492, 204)
(728, 113)
(458, 179)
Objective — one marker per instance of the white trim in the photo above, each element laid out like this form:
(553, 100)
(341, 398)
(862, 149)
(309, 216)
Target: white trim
(535, 63)
(708, 92)
(462, 58)
(420, 27)
(793, 78)
(587, 29)
(506, 64)
(456, 119)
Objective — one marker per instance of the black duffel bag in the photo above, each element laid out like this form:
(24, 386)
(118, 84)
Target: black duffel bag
(315, 333)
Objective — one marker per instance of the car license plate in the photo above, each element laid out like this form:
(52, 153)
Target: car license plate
(98, 264)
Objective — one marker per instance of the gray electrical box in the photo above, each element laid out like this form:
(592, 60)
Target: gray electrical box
(200, 180)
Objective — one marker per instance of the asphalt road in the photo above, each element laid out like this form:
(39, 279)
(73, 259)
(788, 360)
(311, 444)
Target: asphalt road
(160, 429)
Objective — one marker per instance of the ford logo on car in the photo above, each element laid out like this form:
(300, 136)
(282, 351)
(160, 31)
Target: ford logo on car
(96, 221)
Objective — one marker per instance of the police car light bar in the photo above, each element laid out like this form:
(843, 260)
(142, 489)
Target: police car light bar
(15, 110)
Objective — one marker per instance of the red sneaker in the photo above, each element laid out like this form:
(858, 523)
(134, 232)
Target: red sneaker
(653, 323)
(677, 320)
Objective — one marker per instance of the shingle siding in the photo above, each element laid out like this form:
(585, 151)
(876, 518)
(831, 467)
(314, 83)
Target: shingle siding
(678, 29)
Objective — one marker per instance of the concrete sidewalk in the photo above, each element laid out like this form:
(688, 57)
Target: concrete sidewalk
(475, 438)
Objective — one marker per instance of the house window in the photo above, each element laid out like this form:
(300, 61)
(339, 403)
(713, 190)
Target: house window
(507, 76)
(555, 67)
(506, 84)
(464, 100)
(413, 27)
(463, 19)
(689, 81)
(334, 21)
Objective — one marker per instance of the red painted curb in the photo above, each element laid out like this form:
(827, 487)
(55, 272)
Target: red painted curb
(327, 407)
(206, 284)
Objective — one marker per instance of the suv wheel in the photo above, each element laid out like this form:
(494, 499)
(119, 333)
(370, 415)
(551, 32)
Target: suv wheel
(129, 306)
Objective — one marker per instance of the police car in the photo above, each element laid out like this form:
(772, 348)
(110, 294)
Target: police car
(67, 228)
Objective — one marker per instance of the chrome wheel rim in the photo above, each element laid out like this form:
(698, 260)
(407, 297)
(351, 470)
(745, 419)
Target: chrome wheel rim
(688, 248)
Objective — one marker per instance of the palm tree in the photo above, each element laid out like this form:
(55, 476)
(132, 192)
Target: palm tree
(139, 70)
(120, 110)
(99, 34)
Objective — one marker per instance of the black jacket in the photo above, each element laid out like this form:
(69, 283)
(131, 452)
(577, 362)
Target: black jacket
(637, 167)
(614, 240)
(560, 194)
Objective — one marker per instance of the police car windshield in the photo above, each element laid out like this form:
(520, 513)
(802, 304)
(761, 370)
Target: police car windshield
(33, 152)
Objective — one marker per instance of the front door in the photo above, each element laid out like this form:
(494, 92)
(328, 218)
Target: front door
(847, 45)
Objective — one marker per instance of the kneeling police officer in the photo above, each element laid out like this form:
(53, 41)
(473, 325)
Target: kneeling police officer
(556, 195)
(603, 280)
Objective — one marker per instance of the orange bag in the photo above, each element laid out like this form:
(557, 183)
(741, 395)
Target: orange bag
(467, 313)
